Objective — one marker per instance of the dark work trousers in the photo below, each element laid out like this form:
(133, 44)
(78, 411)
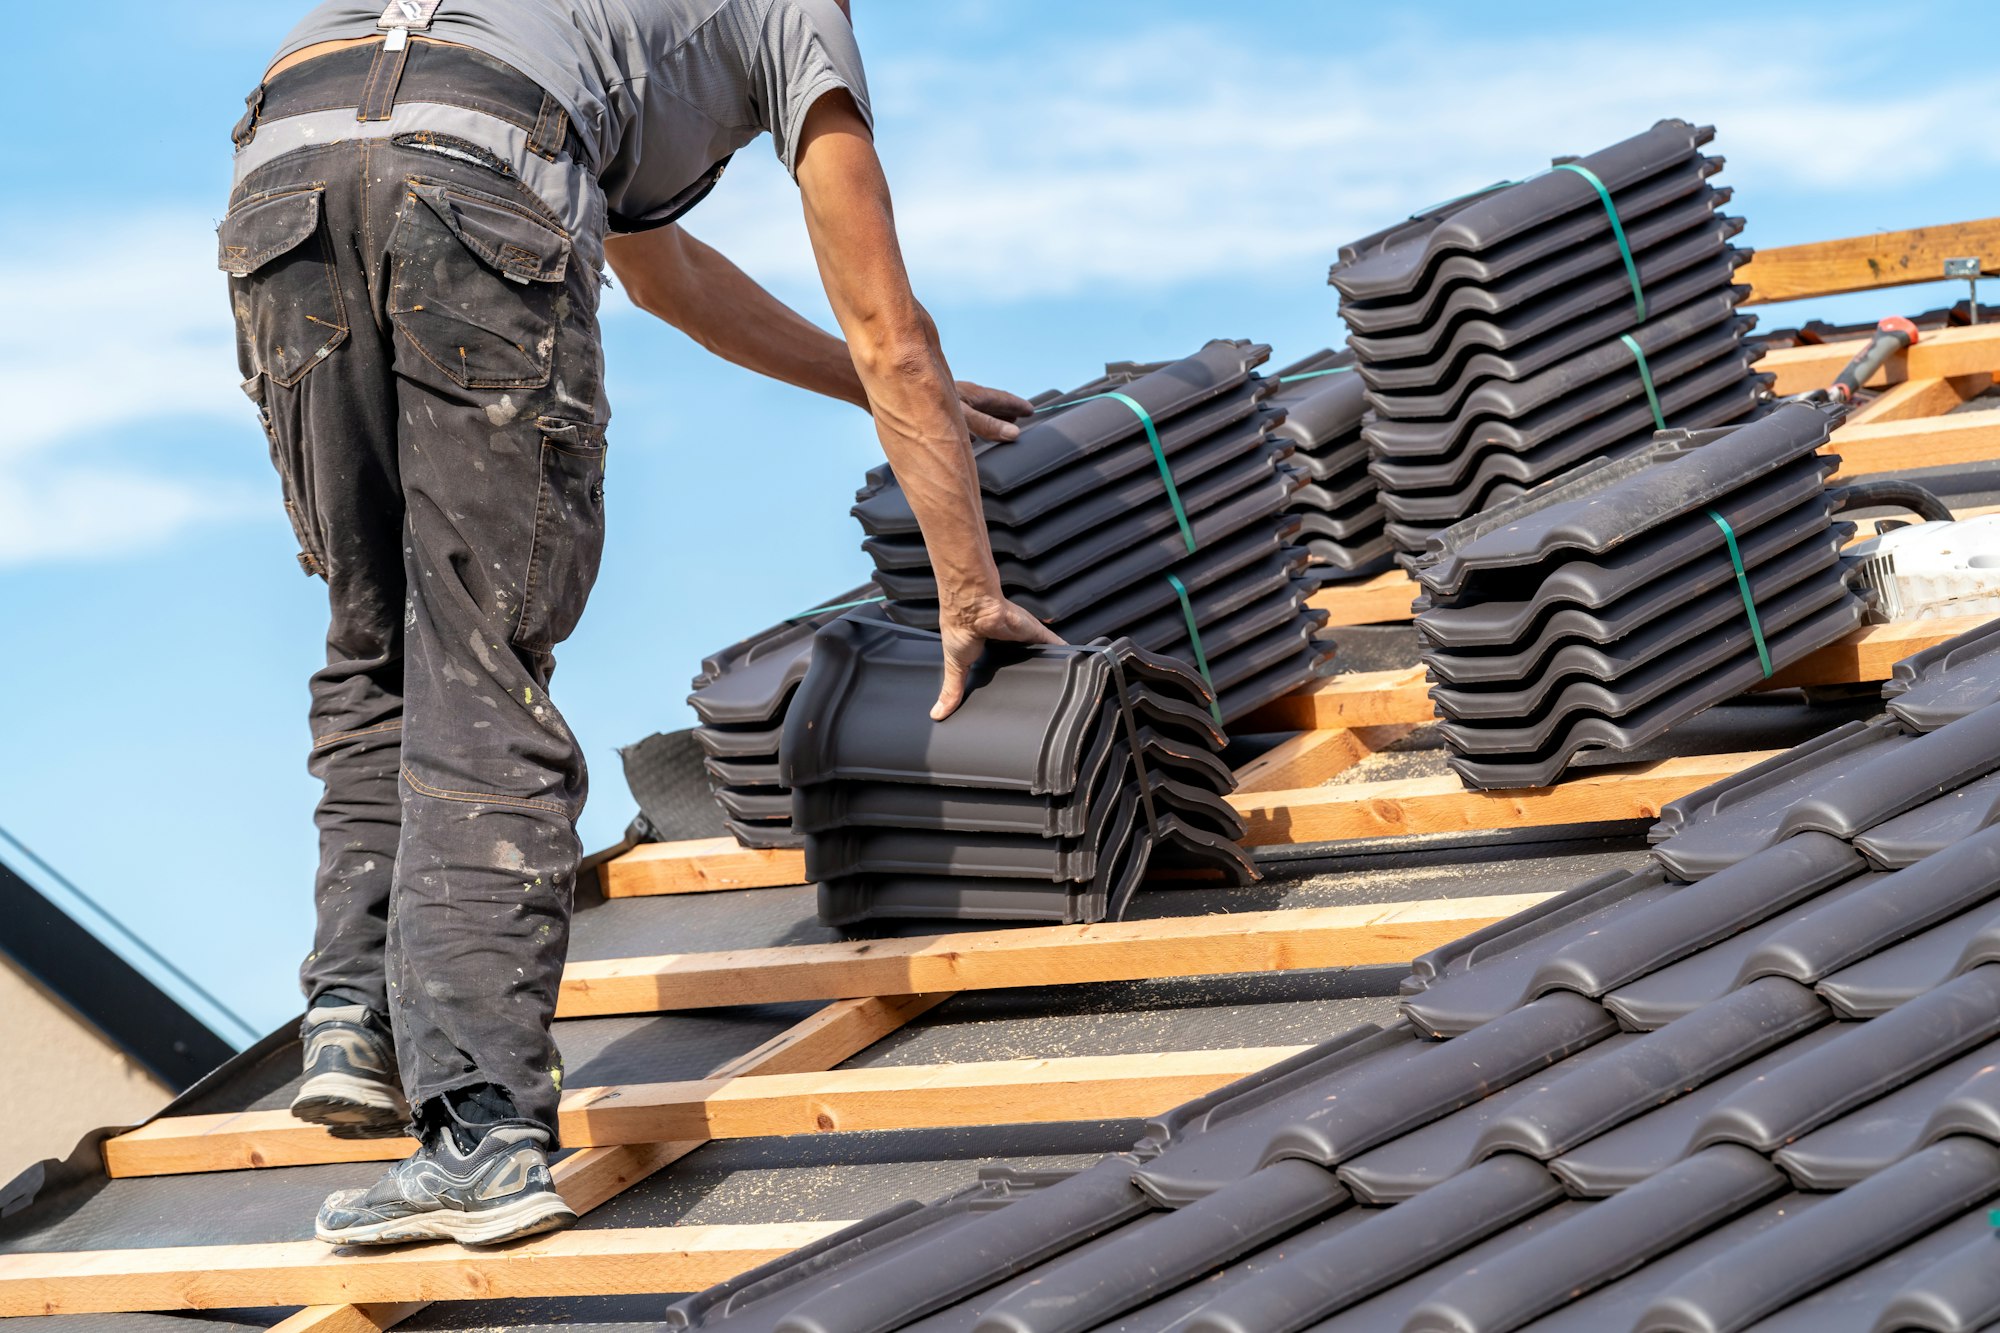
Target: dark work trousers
(422, 343)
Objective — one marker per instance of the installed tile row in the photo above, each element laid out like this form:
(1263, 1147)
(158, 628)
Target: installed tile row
(1601, 608)
(1750, 1084)
(1065, 773)
(1154, 510)
(1509, 335)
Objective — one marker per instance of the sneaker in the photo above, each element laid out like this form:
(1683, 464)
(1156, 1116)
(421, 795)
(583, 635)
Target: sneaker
(351, 1082)
(498, 1191)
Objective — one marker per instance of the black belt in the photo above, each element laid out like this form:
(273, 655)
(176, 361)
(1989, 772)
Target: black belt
(371, 79)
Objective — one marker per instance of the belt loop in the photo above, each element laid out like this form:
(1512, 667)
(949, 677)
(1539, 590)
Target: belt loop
(551, 128)
(385, 72)
(246, 128)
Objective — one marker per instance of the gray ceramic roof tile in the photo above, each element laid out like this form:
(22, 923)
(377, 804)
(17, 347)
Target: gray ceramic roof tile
(883, 509)
(1641, 1147)
(1487, 973)
(1692, 637)
(1538, 407)
(1937, 686)
(1499, 282)
(1650, 1070)
(1467, 364)
(1611, 410)
(1605, 506)
(1901, 779)
(1946, 1282)
(1584, 728)
(1699, 915)
(1873, 1218)
(1868, 1058)
(1069, 1297)
(1717, 826)
(1681, 988)
(1884, 979)
(1441, 1079)
(1359, 1261)
(1408, 1165)
(1880, 1133)
(1778, 556)
(1832, 935)
(1908, 838)
(1606, 1242)
(1478, 317)
(1768, 517)
(1396, 261)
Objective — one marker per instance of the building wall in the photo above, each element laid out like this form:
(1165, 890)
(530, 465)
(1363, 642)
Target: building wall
(59, 1079)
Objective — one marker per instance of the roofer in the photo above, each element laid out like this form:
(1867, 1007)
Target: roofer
(424, 200)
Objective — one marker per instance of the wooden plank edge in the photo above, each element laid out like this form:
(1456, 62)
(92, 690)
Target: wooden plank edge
(629, 1261)
(996, 1092)
(587, 1179)
(1214, 945)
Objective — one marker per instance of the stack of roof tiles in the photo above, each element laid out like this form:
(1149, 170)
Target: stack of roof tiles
(1325, 404)
(741, 697)
(1088, 538)
(1752, 1083)
(1044, 797)
(1505, 337)
(1600, 609)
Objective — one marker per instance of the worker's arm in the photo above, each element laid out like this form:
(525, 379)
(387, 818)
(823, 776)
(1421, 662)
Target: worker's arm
(894, 348)
(696, 289)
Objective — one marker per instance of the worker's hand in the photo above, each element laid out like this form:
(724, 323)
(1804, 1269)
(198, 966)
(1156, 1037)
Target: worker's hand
(991, 413)
(966, 632)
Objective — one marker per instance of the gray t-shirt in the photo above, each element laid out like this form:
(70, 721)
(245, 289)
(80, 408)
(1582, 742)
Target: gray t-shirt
(660, 91)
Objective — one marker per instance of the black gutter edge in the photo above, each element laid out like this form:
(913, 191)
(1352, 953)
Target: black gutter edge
(132, 1013)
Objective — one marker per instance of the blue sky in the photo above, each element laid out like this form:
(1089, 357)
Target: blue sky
(1075, 183)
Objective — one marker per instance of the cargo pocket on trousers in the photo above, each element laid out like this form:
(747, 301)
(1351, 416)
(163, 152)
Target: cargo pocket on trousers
(569, 533)
(287, 456)
(289, 313)
(477, 283)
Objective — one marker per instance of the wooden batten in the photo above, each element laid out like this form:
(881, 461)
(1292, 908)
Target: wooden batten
(1863, 263)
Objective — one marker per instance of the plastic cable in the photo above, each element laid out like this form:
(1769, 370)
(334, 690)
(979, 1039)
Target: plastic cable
(1617, 230)
(1159, 456)
(1646, 378)
(1194, 637)
(1743, 584)
(837, 606)
(1312, 374)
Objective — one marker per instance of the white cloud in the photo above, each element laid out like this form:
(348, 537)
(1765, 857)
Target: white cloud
(114, 331)
(1200, 154)
(1040, 170)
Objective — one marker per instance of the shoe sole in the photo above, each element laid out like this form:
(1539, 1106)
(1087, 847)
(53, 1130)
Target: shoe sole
(358, 1107)
(527, 1216)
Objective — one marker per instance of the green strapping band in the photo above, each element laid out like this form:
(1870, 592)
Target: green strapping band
(1312, 374)
(1200, 657)
(837, 606)
(1646, 378)
(1743, 584)
(1617, 230)
(1160, 457)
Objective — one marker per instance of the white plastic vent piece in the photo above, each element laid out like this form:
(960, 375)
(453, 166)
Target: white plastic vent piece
(1925, 571)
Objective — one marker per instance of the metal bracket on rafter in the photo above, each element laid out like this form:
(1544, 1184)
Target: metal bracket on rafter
(1968, 268)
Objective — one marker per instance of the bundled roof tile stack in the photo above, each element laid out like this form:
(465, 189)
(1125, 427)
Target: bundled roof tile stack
(1088, 536)
(1325, 405)
(1599, 609)
(1509, 335)
(1754, 1083)
(1062, 776)
(742, 696)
